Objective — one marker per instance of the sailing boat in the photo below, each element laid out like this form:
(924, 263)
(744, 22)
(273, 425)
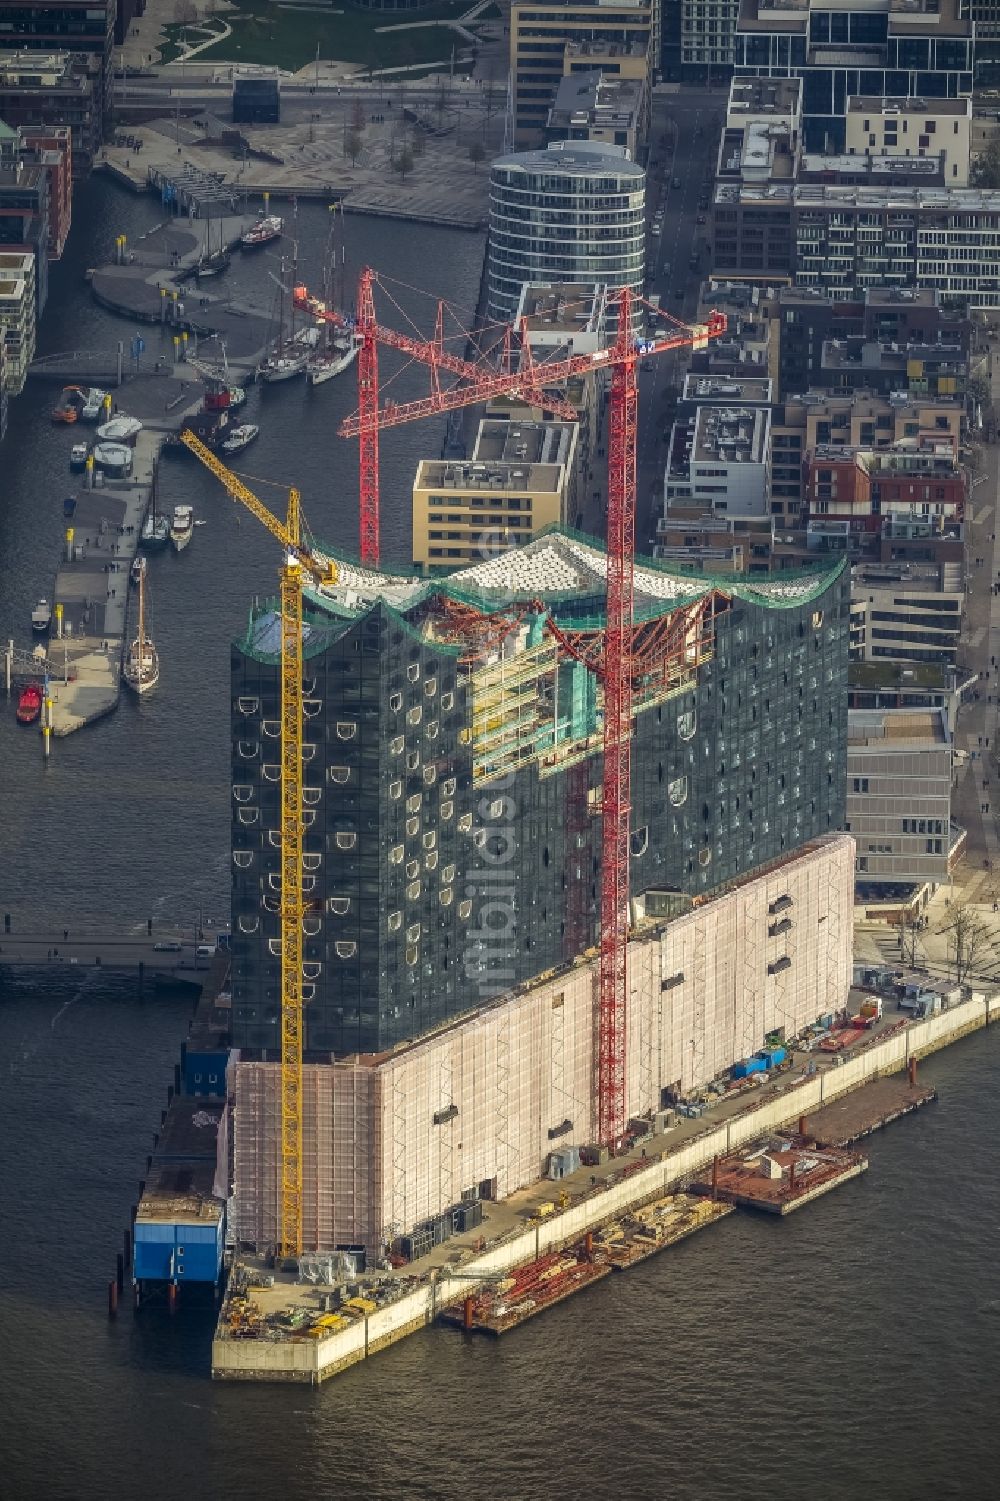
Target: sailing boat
(340, 345)
(287, 356)
(142, 665)
(155, 529)
(213, 262)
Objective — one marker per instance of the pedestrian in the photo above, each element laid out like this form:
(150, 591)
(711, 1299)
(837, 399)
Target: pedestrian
(980, 738)
(65, 935)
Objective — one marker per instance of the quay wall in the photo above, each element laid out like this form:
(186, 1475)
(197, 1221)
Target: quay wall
(312, 1362)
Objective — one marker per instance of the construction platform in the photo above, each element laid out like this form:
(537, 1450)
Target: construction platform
(857, 1115)
(779, 1177)
(622, 1243)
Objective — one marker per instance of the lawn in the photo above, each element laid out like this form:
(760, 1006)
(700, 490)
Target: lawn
(264, 33)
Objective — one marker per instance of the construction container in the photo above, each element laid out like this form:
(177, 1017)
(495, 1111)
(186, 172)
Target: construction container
(771, 1057)
(748, 1066)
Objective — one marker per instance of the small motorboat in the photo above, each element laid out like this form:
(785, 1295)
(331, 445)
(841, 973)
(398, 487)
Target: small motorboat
(29, 704)
(114, 458)
(239, 438)
(41, 616)
(182, 527)
(69, 505)
(138, 569)
(120, 429)
(78, 456)
(263, 232)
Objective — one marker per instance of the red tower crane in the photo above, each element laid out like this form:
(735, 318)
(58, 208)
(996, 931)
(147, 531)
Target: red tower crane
(531, 379)
(431, 352)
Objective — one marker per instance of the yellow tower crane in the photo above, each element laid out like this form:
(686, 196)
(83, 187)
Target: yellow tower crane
(299, 561)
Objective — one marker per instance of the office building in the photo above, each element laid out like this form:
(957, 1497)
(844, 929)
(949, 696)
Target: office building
(594, 107)
(880, 48)
(571, 213)
(521, 479)
(915, 128)
(52, 28)
(899, 769)
(545, 36)
(52, 90)
(439, 752)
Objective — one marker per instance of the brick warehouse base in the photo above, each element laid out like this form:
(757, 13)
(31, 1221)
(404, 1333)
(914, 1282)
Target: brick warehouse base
(390, 1141)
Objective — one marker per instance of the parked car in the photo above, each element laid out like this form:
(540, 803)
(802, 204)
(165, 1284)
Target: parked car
(700, 219)
(676, 183)
(167, 946)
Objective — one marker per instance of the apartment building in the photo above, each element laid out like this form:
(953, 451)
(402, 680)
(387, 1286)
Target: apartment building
(913, 127)
(882, 48)
(51, 149)
(945, 239)
(720, 455)
(573, 212)
(521, 478)
(84, 28)
(543, 34)
(707, 37)
(815, 340)
(17, 316)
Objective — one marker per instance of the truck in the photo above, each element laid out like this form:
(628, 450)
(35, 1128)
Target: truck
(871, 1011)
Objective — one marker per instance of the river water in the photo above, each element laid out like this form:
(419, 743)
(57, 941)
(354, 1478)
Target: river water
(850, 1351)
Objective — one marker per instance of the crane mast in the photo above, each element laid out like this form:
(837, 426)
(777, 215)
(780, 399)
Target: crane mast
(299, 562)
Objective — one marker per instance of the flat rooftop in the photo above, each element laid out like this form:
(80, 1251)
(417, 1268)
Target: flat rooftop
(764, 96)
(179, 1192)
(596, 101)
(724, 388)
(731, 435)
(537, 443)
(874, 104)
(899, 726)
(899, 196)
(460, 477)
(890, 164)
(927, 675)
(191, 1130)
(571, 307)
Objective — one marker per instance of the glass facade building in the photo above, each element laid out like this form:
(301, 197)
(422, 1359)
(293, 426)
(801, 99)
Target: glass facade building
(572, 213)
(452, 847)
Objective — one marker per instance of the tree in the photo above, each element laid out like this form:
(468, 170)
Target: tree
(477, 151)
(985, 172)
(403, 163)
(352, 146)
(910, 948)
(357, 116)
(969, 938)
(185, 12)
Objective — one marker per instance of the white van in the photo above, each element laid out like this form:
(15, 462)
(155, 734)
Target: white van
(205, 951)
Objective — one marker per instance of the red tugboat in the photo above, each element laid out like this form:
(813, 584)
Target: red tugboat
(29, 705)
(262, 233)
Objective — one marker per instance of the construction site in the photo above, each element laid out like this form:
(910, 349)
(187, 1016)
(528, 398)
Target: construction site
(526, 857)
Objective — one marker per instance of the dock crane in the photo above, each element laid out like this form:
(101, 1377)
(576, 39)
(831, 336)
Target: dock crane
(300, 562)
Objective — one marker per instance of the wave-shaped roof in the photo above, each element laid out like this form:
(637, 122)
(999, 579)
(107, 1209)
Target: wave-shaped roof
(562, 569)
